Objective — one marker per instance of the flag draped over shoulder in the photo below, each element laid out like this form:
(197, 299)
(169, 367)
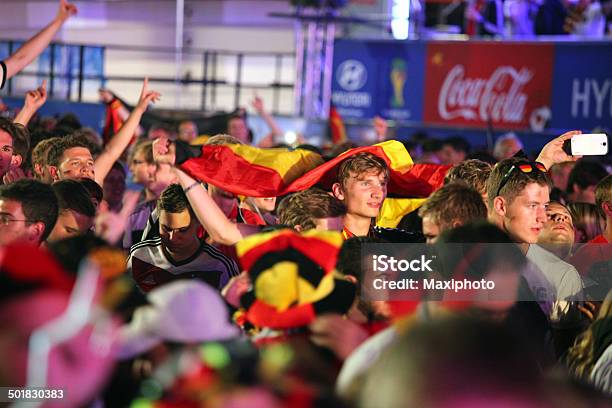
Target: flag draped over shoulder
(256, 172)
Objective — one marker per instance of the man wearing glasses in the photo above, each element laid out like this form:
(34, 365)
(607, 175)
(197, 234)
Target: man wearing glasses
(28, 212)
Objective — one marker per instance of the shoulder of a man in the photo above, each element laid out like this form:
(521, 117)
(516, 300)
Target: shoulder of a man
(210, 252)
(562, 275)
(398, 235)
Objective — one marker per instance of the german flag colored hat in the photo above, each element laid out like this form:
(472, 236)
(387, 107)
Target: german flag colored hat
(294, 278)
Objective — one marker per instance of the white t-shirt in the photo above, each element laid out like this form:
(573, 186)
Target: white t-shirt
(553, 280)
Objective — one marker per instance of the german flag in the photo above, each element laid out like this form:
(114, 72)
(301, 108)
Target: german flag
(294, 277)
(336, 127)
(251, 171)
(255, 172)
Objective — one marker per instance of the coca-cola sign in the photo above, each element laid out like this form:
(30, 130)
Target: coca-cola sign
(469, 84)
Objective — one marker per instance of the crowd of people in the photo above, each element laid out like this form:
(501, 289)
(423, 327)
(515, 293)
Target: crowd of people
(524, 18)
(232, 275)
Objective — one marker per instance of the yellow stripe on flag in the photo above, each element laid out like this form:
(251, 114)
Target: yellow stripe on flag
(393, 209)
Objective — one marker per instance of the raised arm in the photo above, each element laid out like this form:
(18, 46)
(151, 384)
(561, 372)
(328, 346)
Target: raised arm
(214, 221)
(32, 103)
(258, 105)
(553, 153)
(119, 142)
(36, 45)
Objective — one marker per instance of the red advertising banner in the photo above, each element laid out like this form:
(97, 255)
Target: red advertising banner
(472, 83)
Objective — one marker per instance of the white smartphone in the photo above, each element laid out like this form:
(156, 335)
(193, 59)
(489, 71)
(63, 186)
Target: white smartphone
(589, 144)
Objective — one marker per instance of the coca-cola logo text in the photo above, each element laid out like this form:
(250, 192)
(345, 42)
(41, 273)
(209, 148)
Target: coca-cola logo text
(498, 98)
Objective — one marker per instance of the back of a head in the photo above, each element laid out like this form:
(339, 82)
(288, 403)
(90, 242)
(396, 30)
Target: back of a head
(222, 139)
(40, 151)
(38, 201)
(455, 202)
(506, 146)
(588, 219)
(9, 127)
(304, 207)
(508, 180)
(473, 172)
(72, 195)
(452, 362)
(144, 147)
(585, 173)
(457, 143)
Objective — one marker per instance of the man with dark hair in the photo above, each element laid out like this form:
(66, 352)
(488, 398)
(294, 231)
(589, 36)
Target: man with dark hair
(311, 209)
(76, 210)
(453, 205)
(28, 211)
(72, 157)
(178, 253)
(518, 193)
(582, 180)
(7, 131)
(454, 150)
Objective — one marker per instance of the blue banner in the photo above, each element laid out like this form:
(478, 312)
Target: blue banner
(379, 78)
(582, 86)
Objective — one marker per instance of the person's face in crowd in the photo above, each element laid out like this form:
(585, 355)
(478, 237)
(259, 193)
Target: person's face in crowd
(14, 227)
(558, 228)
(69, 224)
(586, 195)
(431, 229)
(265, 204)
(451, 156)
(187, 132)
(329, 224)
(76, 163)
(225, 200)
(363, 194)
(237, 127)
(114, 187)
(177, 231)
(156, 133)
(142, 172)
(6, 151)
(524, 218)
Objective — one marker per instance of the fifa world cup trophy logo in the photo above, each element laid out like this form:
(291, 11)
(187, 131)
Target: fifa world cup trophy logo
(398, 80)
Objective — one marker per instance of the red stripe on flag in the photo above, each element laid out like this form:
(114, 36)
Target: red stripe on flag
(225, 169)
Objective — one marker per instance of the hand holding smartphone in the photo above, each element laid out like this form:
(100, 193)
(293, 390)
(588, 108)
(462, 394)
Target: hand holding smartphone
(587, 144)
